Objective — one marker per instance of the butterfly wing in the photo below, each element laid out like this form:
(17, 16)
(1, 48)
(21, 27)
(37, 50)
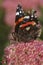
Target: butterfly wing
(19, 16)
(19, 12)
(30, 30)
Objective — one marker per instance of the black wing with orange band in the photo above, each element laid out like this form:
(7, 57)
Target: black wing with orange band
(21, 17)
(27, 25)
(19, 13)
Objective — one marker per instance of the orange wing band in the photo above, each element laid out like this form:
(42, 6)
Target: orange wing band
(19, 21)
(28, 23)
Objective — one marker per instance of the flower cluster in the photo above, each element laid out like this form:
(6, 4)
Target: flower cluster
(24, 53)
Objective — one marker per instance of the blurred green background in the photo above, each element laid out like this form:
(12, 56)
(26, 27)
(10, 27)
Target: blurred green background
(5, 29)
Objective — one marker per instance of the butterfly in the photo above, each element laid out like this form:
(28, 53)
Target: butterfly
(27, 25)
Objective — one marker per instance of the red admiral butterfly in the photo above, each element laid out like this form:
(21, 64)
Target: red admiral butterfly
(27, 26)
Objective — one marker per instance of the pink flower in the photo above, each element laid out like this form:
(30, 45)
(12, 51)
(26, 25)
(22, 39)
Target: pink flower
(24, 53)
(10, 6)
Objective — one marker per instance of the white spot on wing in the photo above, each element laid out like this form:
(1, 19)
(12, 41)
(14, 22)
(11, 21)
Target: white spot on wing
(32, 16)
(27, 17)
(17, 13)
(20, 12)
(27, 28)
